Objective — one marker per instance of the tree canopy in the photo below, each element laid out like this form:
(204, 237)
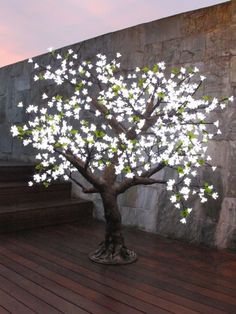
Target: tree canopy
(137, 123)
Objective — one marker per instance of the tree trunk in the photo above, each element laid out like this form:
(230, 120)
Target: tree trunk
(112, 250)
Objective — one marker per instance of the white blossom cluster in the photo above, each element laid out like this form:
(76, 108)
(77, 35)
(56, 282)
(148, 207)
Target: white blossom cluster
(137, 122)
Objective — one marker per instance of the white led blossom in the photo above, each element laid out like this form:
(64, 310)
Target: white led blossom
(118, 131)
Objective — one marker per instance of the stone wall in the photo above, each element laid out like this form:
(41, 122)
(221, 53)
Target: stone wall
(205, 38)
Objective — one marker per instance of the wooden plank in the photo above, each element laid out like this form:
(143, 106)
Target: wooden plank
(193, 292)
(12, 305)
(39, 289)
(3, 310)
(168, 277)
(114, 300)
(189, 304)
(17, 292)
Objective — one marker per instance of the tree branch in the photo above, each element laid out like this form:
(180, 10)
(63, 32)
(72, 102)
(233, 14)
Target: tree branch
(125, 185)
(152, 171)
(80, 166)
(117, 126)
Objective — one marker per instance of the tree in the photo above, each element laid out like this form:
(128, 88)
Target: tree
(120, 131)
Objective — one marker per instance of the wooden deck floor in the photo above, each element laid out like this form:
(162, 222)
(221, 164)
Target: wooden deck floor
(47, 271)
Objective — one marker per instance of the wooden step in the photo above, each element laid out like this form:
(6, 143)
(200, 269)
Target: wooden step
(18, 192)
(24, 207)
(16, 171)
(38, 214)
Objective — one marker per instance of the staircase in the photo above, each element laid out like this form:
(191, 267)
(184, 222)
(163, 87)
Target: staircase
(24, 207)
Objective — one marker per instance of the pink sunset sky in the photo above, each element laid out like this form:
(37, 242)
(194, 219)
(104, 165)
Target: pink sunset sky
(29, 27)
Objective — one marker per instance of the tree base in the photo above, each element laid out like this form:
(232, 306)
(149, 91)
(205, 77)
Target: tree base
(107, 255)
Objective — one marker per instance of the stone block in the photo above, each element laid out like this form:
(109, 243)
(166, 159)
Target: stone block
(206, 19)
(22, 83)
(226, 227)
(233, 70)
(153, 53)
(2, 109)
(5, 139)
(3, 81)
(192, 49)
(233, 11)
(172, 51)
(163, 29)
(231, 174)
(213, 207)
(140, 197)
(218, 42)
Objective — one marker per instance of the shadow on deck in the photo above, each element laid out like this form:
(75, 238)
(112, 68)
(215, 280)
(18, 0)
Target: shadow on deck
(47, 270)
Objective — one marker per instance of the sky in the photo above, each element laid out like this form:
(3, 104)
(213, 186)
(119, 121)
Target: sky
(29, 27)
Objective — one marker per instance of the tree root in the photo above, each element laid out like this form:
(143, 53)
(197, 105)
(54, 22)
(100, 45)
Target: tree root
(113, 254)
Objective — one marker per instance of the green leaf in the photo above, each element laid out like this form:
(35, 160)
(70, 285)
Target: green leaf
(155, 68)
(190, 70)
(99, 134)
(114, 149)
(184, 213)
(178, 196)
(46, 184)
(74, 132)
(59, 145)
(145, 69)
(78, 86)
(41, 76)
(141, 82)
(191, 135)
(136, 119)
(127, 169)
(39, 167)
(161, 95)
(134, 141)
(180, 169)
(181, 110)
(206, 98)
(201, 162)
(116, 89)
(207, 189)
(166, 162)
(175, 71)
(58, 98)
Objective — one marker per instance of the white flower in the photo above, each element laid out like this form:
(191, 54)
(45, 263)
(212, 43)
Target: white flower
(216, 123)
(30, 60)
(213, 168)
(14, 130)
(215, 195)
(118, 55)
(231, 99)
(183, 220)
(31, 108)
(129, 175)
(189, 210)
(187, 181)
(20, 104)
(30, 183)
(170, 184)
(203, 199)
(44, 96)
(173, 199)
